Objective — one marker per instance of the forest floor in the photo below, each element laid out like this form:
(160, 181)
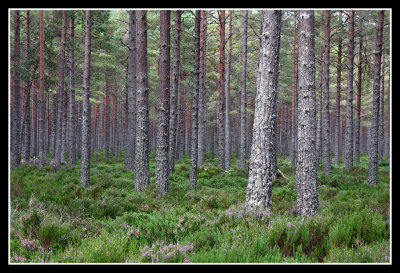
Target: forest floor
(54, 219)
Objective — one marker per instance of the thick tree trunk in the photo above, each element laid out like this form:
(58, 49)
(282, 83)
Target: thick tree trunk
(202, 88)
(348, 145)
(373, 137)
(131, 114)
(221, 93)
(142, 176)
(326, 145)
(388, 131)
(85, 160)
(263, 160)
(306, 171)
(16, 107)
(162, 170)
(195, 105)
(72, 110)
(173, 122)
(357, 127)
(228, 140)
(242, 145)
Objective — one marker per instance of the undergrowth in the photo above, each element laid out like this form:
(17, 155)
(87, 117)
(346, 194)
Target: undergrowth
(54, 219)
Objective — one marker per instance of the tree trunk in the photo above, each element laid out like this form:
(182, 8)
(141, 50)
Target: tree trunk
(173, 122)
(388, 131)
(319, 110)
(293, 116)
(195, 105)
(181, 121)
(228, 140)
(142, 177)
(72, 116)
(131, 114)
(381, 139)
(16, 108)
(326, 135)
(242, 146)
(306, 171)
(27, 120)
(85, 160)
(373, 139)
(263, 160)
(348, 145)
(107, 132)
(162, 170)
(42, 159)
(60, 107)
(202, 88)
(338, 90)
(357, 130)
(221, 93)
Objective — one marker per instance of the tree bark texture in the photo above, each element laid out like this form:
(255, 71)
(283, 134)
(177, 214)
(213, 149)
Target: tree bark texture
(243, 133)
(131, 114)
(373, 137)
(357, 127)
(221, 93)
(202, 88)
(42, 159)
(326, 135)
(162, 171)
(381, 143)
(195, 105)
(228, 139)
(338, 90)
(293, 116)
(16, 108)
(27, 117)
(60, 108)
(306, 170)
(263, 159)
(173, 122)
(348, 142)
(72, 110)
(142, 176)
(85, 157)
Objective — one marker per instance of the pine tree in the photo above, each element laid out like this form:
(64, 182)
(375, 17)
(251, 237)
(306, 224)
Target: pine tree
(221, 92)
(85, 160)
(306, 170)
(162, 171)
(373, 137)
(42, 159)
(263, 159)
(242, 149)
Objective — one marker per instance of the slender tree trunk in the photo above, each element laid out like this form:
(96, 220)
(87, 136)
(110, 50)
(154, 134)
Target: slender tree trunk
(16, 108)
(357, 127)
(228, 140)
(326, 146)
(263, 160)
(72, 110)
(195, 105)
(388, 131)
(107, 132)
(85, 160)
(162, 170)
(221, 92)
(27, 120)
(319, 111)
(131, 114)
(293, 116)
(42, 159)
(338, 90)
(242, 151)
(60, 107)
(117, 120)
(202, 88)
(381, 143)
(173, 122)
(306, 170)
(142, 176)
(35, 119)
(373, 139)
(348, 145)
(181, 121)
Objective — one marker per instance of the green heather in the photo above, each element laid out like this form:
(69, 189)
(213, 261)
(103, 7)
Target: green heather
(53, 218)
